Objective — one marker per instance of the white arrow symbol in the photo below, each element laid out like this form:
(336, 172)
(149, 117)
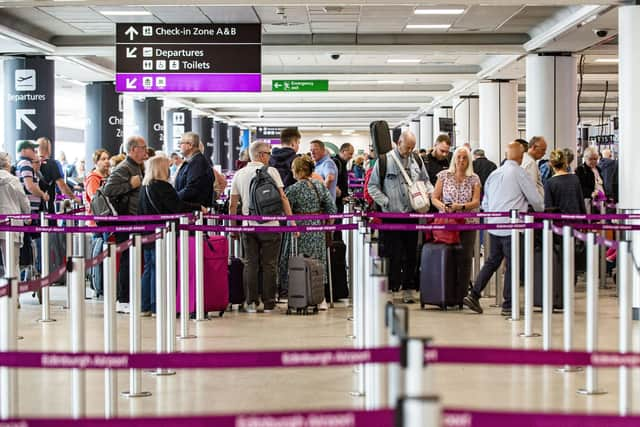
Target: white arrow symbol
(131, 52)
(131, 83)
(21, 116)
(131, 32)
(277, 85)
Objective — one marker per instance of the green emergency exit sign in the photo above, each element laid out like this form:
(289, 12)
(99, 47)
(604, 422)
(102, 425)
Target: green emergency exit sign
(300, 85)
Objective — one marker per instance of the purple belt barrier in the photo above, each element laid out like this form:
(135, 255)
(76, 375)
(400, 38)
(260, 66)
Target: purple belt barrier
(399, 215)
(454, 227)
(269, 229)
(298, 217)
(106, 229)
(470, 418)
(583, 236)
(120, 218)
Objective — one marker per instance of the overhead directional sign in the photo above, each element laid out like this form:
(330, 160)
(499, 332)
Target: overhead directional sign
(300, 85)
(188, 57)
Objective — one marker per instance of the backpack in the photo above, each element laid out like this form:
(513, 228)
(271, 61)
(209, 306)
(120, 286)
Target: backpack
(264, 194)
(101, 205)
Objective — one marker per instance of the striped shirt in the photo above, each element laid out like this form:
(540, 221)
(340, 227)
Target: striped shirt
(24, 169)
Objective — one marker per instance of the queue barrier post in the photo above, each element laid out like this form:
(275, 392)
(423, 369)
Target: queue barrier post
(110, 275)
(412, 360)
(418, 411)
(161, 300)
(358, 303)
(68, 249)
(547, 280)
(349, 244)
(568, 283)
(528, 281)
(397, 322)
(515, 269)
(625, 308)
(78, 335)
(199, 254)
(9, 342)
(135, 325)
(602, 259)
(44, 271)
(171, 286)
(591, 385)
(184, 282)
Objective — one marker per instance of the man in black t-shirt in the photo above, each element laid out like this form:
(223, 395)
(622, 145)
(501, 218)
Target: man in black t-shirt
(51, 176)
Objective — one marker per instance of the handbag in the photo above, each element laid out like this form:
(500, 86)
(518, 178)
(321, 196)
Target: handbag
(418, 194)
(448, 237)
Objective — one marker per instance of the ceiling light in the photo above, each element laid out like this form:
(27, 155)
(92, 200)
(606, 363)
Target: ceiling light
(327, 134)
(403, 61)
(390, 82)
(125, 12)
(607, 60)
(438, 11)
(427, 26)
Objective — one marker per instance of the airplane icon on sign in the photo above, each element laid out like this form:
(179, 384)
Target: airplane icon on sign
(21, 79)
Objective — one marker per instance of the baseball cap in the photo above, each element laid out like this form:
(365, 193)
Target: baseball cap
(23, 145)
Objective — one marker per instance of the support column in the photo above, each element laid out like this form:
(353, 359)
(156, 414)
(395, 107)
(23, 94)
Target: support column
(233, 136)
(203, 126)
(149, 123)
(414, 126)
(467, 117)
(629, 111)
(441, 113)
(426, 132)
(29, 103)
(551, 99)
(178, 122)
(498, 117)
(104, 127)
(220, 145)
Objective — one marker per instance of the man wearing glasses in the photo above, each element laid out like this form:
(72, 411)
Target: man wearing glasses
(194, 181)
(123, 188)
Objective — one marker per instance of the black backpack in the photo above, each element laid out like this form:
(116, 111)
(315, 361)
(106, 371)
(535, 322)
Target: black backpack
(264, 194)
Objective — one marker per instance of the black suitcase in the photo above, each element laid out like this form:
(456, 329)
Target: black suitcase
(438, 276)
(381, 137)
(556, 280)
(338, 267)
(236, 286)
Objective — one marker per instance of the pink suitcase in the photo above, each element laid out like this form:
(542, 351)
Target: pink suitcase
(216, 285)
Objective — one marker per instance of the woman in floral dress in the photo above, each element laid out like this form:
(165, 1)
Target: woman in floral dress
(306, 196)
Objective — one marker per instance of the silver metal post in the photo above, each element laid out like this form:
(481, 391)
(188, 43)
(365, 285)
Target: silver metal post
(9, 342)
(625, 340)
(375, 302)
(69, 253)
(184, 282)
(397, 328)
(591, 386)
(161, 300)
(110, 275)
(78, 338)
(171, 287)
(413, 362)
(358, 304)
(135, 325)
(349, 243)
(199, 254)
(603, 254)
(547, 279)
(528, 281)
(476, 254)
(11, 268)
(568, 279)
(44, 271)
(419, 411)
(515, 269)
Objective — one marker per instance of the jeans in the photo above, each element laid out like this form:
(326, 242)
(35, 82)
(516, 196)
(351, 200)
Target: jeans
(123, 274)
(261, 250)
(500, 249)
(149, 280)
(400, 247)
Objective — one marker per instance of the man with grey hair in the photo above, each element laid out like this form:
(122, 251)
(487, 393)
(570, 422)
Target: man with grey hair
(609, 168)
(194, 181)
(482, 166)
(122, 188)
(536, 151)
(262, 249)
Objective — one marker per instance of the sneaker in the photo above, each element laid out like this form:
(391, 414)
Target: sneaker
(407, 297)
(506, 312)
(269, 308)
(123, 307)
(323, 305)
(472, 303)
(250, 308)
(145, 314)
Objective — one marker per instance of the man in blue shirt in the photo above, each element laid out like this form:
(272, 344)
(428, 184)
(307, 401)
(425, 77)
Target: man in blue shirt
(325, 167)
(508, 187)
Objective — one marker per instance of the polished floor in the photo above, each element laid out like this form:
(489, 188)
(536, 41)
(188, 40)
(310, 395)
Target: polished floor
(47, 392)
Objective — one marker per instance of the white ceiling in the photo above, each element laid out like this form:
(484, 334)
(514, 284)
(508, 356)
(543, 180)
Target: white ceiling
(488, 40)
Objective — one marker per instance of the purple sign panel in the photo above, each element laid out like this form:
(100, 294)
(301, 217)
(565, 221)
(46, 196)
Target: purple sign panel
(147, 82)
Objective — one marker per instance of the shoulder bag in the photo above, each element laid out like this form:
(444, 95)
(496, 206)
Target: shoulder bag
(418, 194)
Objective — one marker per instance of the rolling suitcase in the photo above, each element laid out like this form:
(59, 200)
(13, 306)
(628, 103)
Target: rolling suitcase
(306, 282)
(216, 286)
(236, 286)
(438, 276)
(337, 261)
(381, 137)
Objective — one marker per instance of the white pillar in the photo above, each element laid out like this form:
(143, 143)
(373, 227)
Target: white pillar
(467, 117)
(551, 99)
(426, 131)
(498, 117)
(414, 126)
(440, 113)
(629, 111)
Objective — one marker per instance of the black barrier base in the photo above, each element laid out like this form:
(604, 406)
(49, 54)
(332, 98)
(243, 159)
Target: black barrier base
(636, 313)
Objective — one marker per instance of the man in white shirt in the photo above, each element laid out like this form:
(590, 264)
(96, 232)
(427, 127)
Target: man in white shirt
(262, 249)
(537, 149)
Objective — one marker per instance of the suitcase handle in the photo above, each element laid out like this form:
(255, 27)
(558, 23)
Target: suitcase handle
(294, 245)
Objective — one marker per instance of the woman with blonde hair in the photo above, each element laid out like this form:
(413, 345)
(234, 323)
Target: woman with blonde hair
(563, 192)
(458, 190)
(157, 197)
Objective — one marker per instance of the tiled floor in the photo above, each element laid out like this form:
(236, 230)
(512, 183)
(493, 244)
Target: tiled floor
(45, 393)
